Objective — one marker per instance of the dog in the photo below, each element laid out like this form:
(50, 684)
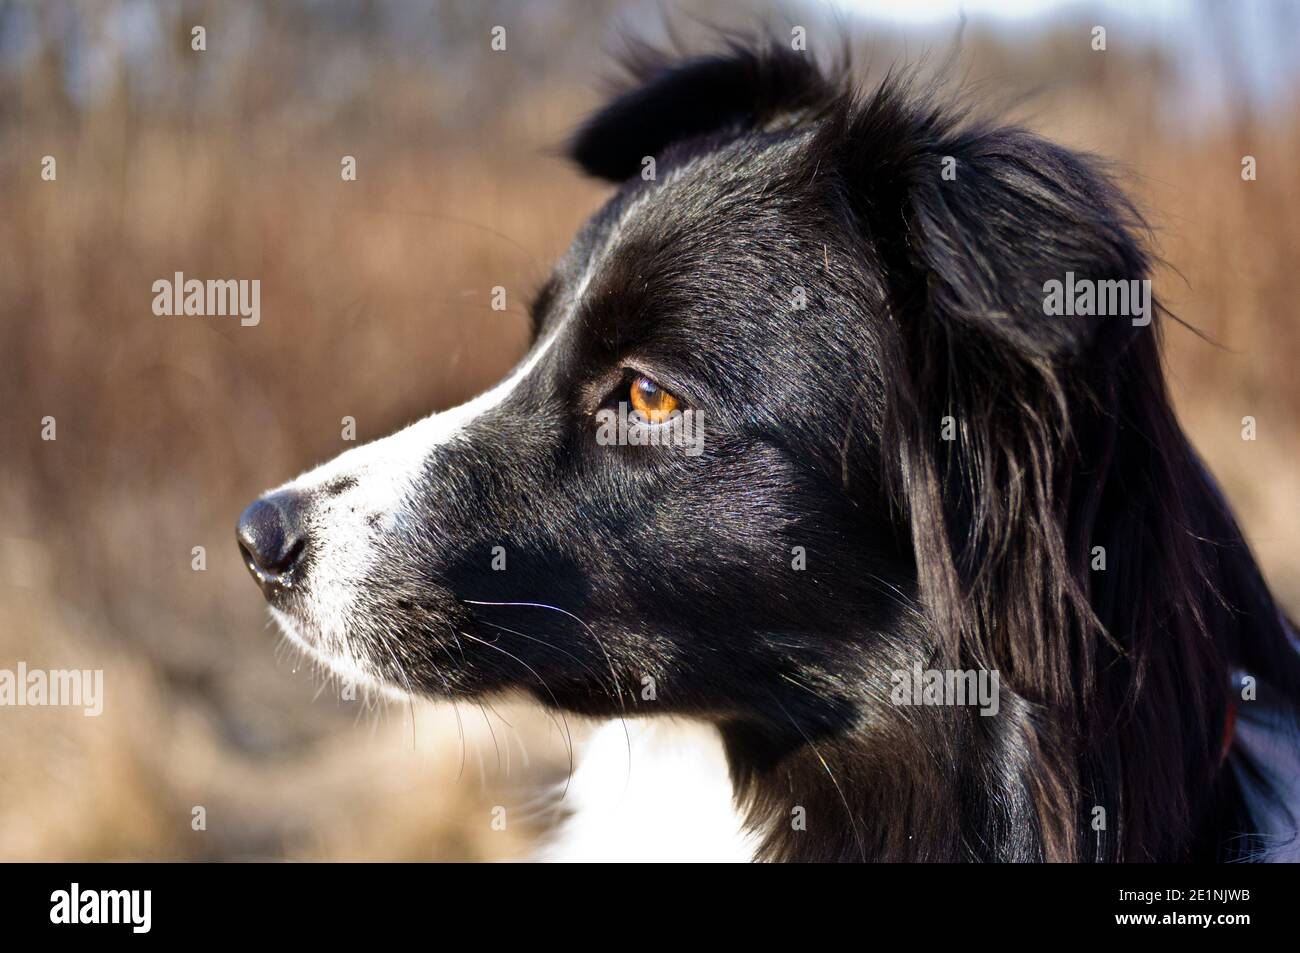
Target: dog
(915, 482)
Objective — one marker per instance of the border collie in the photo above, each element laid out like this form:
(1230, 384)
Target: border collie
(915, 484)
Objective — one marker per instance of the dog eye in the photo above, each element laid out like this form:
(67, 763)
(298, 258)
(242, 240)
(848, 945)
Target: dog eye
(651, 401)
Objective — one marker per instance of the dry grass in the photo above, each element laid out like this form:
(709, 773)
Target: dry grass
(375, 305)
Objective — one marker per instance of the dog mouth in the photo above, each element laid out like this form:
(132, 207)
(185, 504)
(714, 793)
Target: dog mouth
(333, 656)
(298, 631)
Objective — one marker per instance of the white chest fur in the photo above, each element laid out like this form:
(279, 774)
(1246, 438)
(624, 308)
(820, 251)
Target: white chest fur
(658, 791)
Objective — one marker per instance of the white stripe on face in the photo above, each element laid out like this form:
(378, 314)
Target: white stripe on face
(384, 473)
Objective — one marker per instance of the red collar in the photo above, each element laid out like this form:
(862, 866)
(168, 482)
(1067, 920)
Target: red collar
(1229, 727)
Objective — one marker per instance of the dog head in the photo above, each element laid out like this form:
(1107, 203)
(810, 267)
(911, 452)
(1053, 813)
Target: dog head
(725, 469)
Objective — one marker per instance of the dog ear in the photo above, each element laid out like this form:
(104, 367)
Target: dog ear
(1019, 443)
(992, 401)
(671, 101)
(1030, 450)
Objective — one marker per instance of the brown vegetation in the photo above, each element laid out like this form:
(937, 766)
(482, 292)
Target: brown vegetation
(375, 305)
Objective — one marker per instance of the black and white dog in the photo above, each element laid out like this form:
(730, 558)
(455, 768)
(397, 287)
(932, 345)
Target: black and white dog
(803, 454)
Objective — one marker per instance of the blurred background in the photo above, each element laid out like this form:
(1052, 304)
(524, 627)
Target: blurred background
(225, 163)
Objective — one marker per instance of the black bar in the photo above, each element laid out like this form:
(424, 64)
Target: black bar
(335, 902)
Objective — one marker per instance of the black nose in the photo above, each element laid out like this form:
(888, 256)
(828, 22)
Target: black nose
(273, 542)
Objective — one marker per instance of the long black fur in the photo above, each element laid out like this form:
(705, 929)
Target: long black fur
(1066, 441)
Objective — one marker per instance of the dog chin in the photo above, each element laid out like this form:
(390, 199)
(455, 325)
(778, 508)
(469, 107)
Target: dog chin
(336, 656)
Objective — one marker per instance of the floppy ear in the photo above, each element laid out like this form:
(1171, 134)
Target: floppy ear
(673, 101)
(1023, 443)
(994, 404)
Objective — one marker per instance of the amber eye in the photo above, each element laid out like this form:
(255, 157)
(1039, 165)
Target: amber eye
(651, 401)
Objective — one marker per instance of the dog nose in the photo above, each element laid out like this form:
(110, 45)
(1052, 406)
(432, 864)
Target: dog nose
(272, 540)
